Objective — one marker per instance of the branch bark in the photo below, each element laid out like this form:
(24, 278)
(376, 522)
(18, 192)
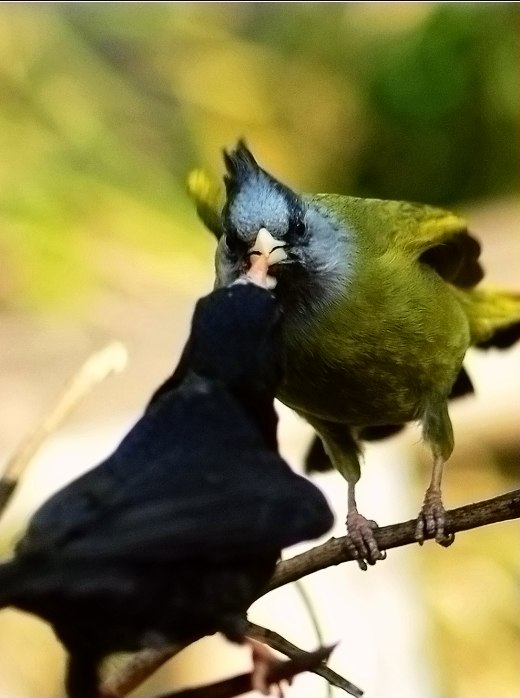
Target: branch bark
(131, 672)
(280, 644)
(282, 671)
(335, 551)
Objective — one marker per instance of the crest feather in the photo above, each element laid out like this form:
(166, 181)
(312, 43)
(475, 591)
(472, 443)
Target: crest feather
(240, 166)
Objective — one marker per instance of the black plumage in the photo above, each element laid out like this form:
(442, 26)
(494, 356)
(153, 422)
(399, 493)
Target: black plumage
(175, 534)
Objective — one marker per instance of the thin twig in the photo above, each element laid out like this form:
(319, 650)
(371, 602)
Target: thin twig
(96, 368)
(335, 551)
(280, 644)
(313, 617)
(132, 672)
(281, 671)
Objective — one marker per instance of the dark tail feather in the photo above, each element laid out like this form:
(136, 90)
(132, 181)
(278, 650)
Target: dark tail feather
(379, 431)
(317, 460)
(503, 338)
(462, 385)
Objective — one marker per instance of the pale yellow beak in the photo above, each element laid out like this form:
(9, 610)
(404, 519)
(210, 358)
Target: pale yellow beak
(265, 251)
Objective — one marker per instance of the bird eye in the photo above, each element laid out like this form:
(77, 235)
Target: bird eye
(235, 245)
(299, 227)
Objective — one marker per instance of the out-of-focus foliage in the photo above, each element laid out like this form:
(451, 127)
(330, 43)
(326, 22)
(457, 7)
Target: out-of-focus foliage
(445, 112)
(104, 107)
(475, 634)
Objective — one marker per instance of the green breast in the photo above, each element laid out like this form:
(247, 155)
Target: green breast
(375, 356)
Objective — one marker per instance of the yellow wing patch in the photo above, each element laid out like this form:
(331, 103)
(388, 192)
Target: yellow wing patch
(208, 196)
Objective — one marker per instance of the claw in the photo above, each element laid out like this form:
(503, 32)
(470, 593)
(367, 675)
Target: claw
(361, 542)
(432, 520)
(448, 539)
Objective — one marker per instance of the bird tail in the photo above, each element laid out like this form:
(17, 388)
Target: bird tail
(494, 317)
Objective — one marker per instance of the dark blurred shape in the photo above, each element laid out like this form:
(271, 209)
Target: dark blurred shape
(503, 338)
(177, 532)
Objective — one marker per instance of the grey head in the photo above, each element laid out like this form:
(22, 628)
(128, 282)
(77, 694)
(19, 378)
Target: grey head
(307, 241)
(255, 199)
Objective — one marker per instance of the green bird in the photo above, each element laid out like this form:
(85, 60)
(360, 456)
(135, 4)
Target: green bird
(380, 303)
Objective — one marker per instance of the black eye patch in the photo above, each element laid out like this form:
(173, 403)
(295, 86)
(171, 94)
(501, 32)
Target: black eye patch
(234, 243)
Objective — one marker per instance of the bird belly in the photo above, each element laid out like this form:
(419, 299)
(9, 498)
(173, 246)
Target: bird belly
(377, 365)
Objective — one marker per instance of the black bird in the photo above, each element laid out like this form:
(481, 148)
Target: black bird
(174, 535)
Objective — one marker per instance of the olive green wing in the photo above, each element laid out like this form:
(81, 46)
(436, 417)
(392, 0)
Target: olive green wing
(432, 235)
(437, 238)
(209, 197)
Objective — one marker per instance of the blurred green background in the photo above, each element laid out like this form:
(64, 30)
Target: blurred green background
(105, 107)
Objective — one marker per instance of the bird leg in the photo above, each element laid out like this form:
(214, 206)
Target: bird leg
(361, 542)
(438, 432)
(432, 518)
(343, 450)
(263, 661)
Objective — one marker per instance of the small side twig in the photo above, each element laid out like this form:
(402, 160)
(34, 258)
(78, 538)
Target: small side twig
(313, 617)
(280, 644)
(133, 671)
(96, 368)
(282, 671)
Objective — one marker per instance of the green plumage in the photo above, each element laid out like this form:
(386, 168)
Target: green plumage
(381, 303)
(378, 343)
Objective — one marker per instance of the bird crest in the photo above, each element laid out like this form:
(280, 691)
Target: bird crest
(240, 166)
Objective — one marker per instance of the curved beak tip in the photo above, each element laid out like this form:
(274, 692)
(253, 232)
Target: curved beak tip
(265, 251)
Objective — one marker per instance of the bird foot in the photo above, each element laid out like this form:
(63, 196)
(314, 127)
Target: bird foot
(263, 661)
(432, 520)
(361, 542)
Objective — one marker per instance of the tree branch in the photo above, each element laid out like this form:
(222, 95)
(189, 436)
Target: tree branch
(335, 551)
(132, 672)
(282, 671)
(280, 644)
